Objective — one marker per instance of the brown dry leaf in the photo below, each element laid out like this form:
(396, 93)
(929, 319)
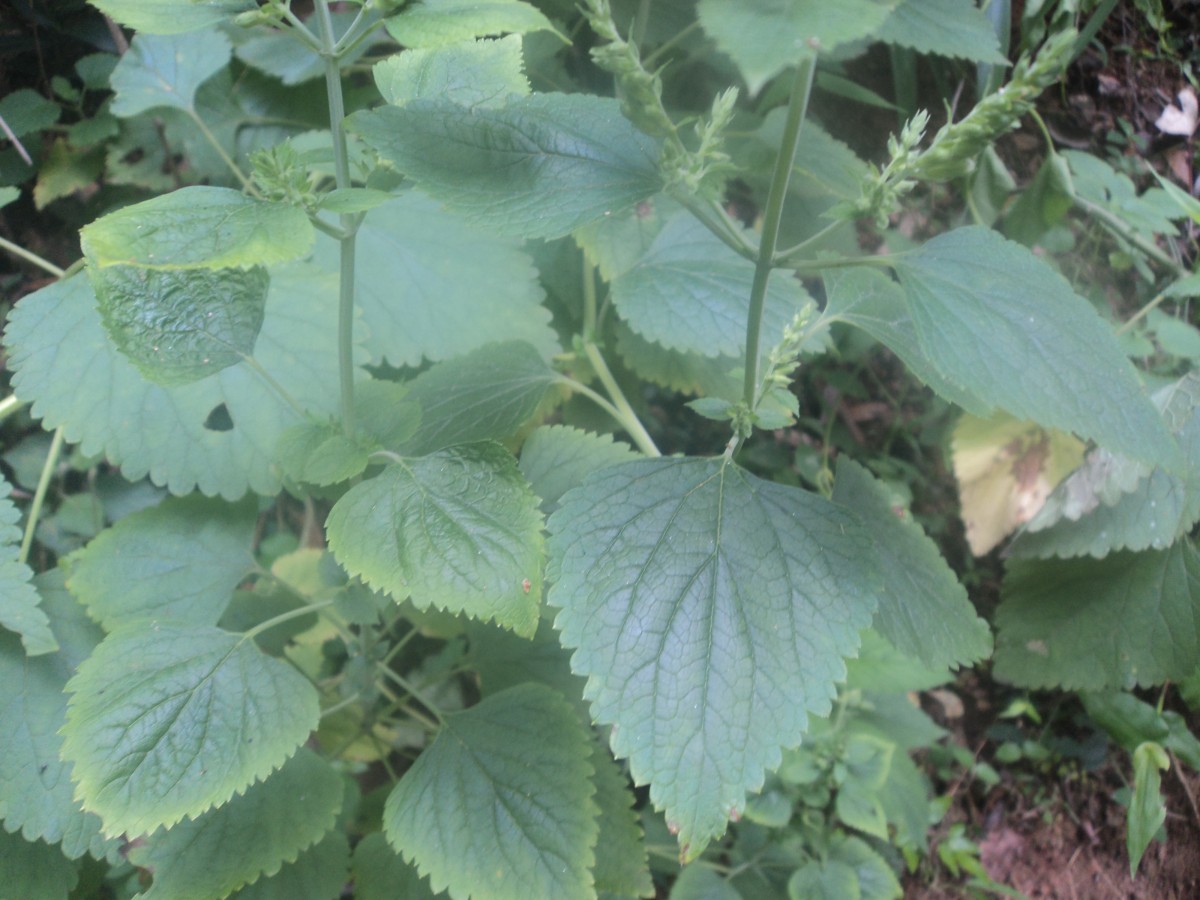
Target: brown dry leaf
(1005, 469)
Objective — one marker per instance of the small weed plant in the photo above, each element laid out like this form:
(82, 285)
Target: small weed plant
(378, 603)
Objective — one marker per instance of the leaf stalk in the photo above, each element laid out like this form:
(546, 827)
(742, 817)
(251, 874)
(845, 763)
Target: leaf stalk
(39, 495)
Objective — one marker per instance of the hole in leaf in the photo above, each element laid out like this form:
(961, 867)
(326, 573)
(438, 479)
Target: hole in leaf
(219, 419)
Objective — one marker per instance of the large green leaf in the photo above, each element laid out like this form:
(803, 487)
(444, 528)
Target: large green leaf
(252, 835)
(710, 611)
(198, 227)
(34, 869)
(436, 23)
(473, 73)
(319, 873)
(923, 610)
(19, 610)
(1128, 619)
(764, 37)
(458, 529)
(691, 293)
(178, 327)
(538, 167)
(432, 287)
(622, 868)
(166, 70)
(36, 793)
(868, 299)
(171, 16)
(616, 242)
(179, 560)
(946, 27)
(1147, 811)
(65, 365)
(499, 806)
(556, 458)
(167, 720)
(489, 394)
(1000, 323)
(380, 873)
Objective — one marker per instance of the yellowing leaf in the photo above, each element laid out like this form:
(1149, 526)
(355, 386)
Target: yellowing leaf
(1005, 470)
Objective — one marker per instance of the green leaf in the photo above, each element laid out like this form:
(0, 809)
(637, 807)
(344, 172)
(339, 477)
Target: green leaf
(688, 373)
(178, 327)
(19, 600)
(923, 609)
(1128, 619)
(66, 170)
(179, 560)
(1157, 511)
(764, 37)
(472, 74)
(36, 794)
(65, 365)
(1127, 720)
(616, 242)
(699, 882)
(622, 868)
(380, 873)
(556, 458)
(34, 869)
(320, 873)
(868, 299)
(458, 529)
(954, 28)
(199, 228)
(1147, 811)
(320, 453)
(167, 720)
(430, 286)
(503, 660)
(499, 806)
(171, 16)
(829, 880)
(1001, 324)
(489, 394)
(166, 70)
(710, 611)
(252, 835)
(690, 292)
(25, 111)
(539, 167)
(436, 23)
(384, 410)
(876, 880)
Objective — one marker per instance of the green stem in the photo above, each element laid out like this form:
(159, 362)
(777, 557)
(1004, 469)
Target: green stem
(589, 297)
(625, 414)
(247, 184)
(39, 495)
(340, 705)
(301, 32)
(321, 225)
(285, 617)
(649, 60)
(1118, 227)
(413, 692)
(784, 257)
(19, 251)
(638, 32)
(597, 398)
(10, 405)
(1141, 313)
(772, 216)
(349, 222)
(716, 220)
(257, 368)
